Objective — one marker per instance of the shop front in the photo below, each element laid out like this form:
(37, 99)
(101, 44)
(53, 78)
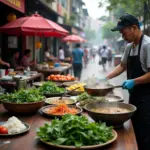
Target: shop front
(51, 43)
(10, 10)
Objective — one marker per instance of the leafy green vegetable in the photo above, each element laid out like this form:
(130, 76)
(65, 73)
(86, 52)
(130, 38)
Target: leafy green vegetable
(23, 96)
(50, 88)
(86, 96)
(76, 131)
(83, 96)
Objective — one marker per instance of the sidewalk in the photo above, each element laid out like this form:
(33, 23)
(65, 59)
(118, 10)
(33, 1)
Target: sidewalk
(97, 70)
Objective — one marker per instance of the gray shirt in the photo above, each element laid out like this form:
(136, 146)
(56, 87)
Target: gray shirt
(144, 53)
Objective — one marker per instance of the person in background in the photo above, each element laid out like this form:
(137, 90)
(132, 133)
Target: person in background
(77, 57)
(47, 55)
(104, 55)
(110, 56)
(4, 63)
(99, 54)
(67, 52)
(93, 54)
(61, 54)
(85, 56)
(15, 61)
(25, 61)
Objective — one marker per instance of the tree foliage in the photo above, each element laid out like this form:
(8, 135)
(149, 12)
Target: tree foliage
(104, 18)
(107, 33)
(89, 34)
(134, 7)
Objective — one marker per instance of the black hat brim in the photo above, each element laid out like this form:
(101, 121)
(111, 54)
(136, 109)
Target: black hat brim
(117, 28)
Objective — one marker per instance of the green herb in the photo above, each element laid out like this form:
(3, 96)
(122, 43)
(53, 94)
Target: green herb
(83, 96)
(76, 131)
(50, 88)
(23, 96)
(86, 96)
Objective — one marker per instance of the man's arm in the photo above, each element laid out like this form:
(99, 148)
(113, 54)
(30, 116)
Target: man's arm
(143, 79)
(117, 71)
(4, 63)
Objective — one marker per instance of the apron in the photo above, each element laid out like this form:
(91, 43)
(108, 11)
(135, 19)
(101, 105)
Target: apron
(140, 97)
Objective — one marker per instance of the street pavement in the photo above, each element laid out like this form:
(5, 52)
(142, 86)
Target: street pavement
(95, 69)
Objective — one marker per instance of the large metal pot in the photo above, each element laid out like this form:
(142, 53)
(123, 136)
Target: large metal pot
(114, 119)
(93, 91)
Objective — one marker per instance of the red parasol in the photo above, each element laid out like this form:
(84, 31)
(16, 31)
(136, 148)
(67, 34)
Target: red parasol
(34, 25)
(74, 39)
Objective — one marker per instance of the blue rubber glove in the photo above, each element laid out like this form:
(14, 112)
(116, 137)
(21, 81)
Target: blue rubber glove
(128, 84)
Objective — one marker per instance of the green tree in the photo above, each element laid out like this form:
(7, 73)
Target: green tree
(89, 34)
(131, 6)
(104, 18)
(107, 33)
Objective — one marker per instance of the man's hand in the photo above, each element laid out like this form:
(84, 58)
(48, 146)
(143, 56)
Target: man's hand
(7, 64)
(128, 84)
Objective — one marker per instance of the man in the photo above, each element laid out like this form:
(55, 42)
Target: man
(104, 55)
(110, 56)
(136, 60)
(25, 61)
(61, 54)
(77, 56)
(85, 56)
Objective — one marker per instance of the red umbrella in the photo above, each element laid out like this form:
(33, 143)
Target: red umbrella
(74, 39)
(34, 25)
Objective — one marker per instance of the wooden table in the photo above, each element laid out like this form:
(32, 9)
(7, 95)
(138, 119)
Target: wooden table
(10, 86)
(58, 70)
(125, 141)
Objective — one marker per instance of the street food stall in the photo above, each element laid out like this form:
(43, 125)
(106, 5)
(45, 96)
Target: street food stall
(20, 80)
(67, 69)
(36, 111)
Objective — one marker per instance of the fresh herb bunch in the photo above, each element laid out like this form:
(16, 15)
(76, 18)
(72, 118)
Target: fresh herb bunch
(76, 131)
(50, 88)
(83, 96)
(86, 96)
(23, 96)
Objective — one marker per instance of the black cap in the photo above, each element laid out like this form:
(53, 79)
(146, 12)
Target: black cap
(126, 20)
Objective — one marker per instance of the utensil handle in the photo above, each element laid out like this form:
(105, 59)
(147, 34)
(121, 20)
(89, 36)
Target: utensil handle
(118, 86)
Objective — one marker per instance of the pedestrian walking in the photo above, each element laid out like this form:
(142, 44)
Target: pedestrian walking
(93, 54)
(99, 54)
(61, 54)
(104, 55)
(86, 53)
(110, 56)
(77, 56)
(136, 60)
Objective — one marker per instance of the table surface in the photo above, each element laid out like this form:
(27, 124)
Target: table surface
(125, 141)
(58, 70)
(32, 77)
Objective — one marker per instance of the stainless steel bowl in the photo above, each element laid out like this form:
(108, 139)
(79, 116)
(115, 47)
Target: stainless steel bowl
(93, 91)
(115, 119)
(97, 92)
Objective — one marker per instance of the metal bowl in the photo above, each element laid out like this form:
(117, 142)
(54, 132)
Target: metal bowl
(115, 119)
(25, 108)
(98, 92)
(44, 109)
(114, 98)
